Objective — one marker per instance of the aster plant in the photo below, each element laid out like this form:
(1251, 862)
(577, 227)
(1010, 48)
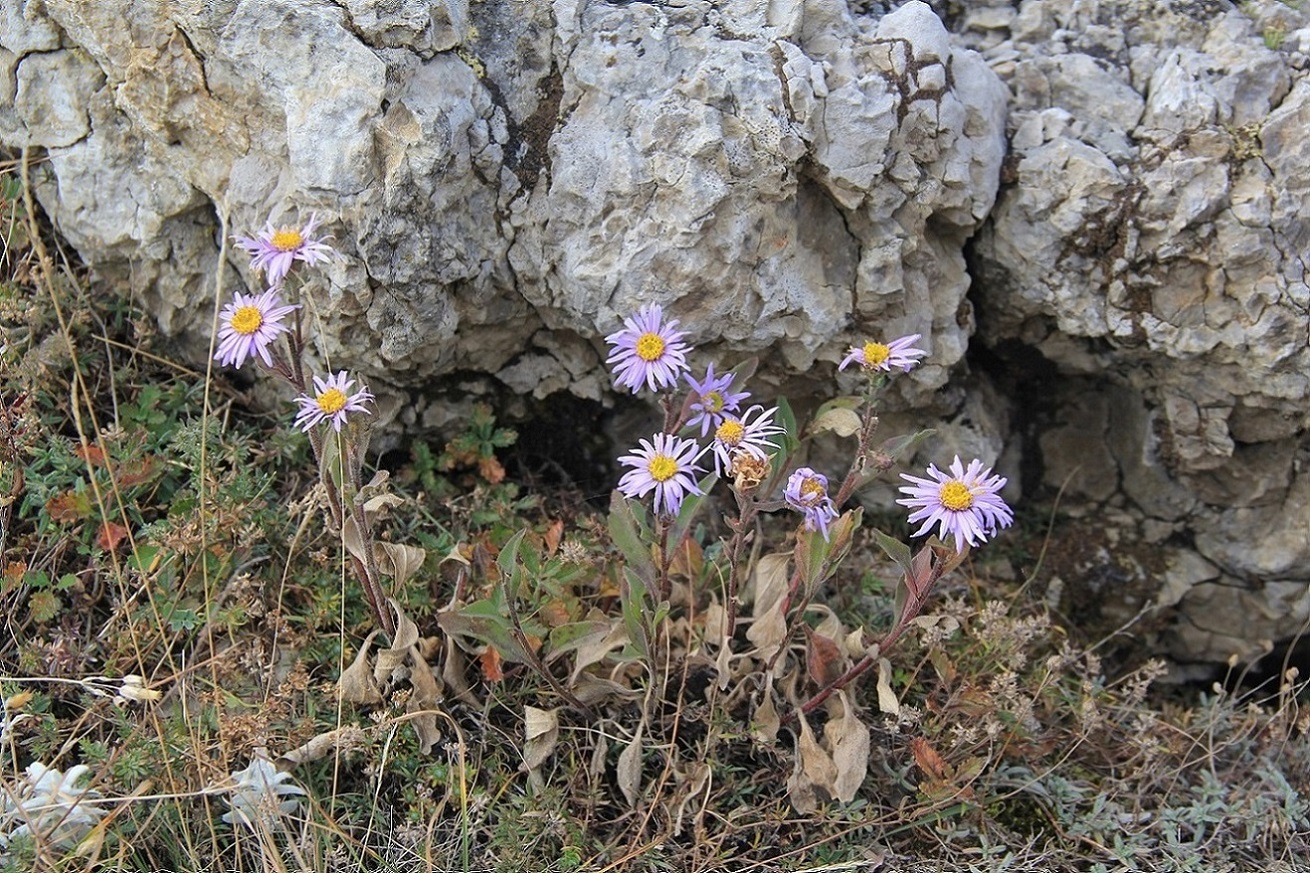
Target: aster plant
(713, 400)
(649, 351)
(873, 356)
(331, 401)
(752, 434)
(965, 503)
(753, 452)
(666, 465)
(251, 327)
(276, 250)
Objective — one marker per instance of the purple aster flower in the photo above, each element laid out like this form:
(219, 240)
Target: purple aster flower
(277, 250)
(807, 492)
(332, 401)
(668, 467)
(966, 504)
(734, 435)
(249, 325)
(647, 350)
(879, 356)
(714, 400)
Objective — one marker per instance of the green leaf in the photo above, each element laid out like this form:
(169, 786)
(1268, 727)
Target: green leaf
(896, 550)
(632, 597)
(786, 419)
(811, 553)
(485, 621)
(896, 446)
(691, 504)
(626, 531)
(508, 561)
(143, 558)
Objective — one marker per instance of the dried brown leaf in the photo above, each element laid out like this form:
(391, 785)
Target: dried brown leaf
(848, 737)
(491, 664)
(887, 701)
(695, 783)
(842, 422)
(356, 683)
(592, 648)
(928, 759)
(765, 724)
(814, 769)
(591, 689)
(554, 534)
(406, 630)
(399, 561)
(629, 767)
(769, 582)
(352, 539)
(423, 702)
(768, 632)
(374, 505)
(452, 673)
(824, 660)
(540, 733)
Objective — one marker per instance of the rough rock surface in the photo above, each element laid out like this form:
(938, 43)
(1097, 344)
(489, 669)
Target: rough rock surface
(507, 180)
(1146, 262)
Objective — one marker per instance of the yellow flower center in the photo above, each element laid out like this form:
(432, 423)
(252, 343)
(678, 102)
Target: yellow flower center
(730, 432)
(812, 492)
(650, 346)
(247, 320)
(875, 354)
(331, 401)
(662, 468)
(288, 239)
(955, 496)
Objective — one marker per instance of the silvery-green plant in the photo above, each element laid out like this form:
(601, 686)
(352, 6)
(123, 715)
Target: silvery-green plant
(48, 806)
(261, 794)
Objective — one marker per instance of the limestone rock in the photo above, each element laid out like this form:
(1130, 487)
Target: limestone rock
(1150, 244)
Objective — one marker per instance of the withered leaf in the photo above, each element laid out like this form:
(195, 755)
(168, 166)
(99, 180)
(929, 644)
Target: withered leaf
(765, 724)
(491, 664)
(540, 733)
(351, 538)
(843, 422)
(399, 561)
(423, 702)
(111, 534)
(356, 683)
(824, 659)
(814, 769)
(887, 701)
(406, 629)
(374, 505)
(694, 784)
(554, 534)
(594, 646)
(848, 737)
(769, 583)
(69, 506)
(929, 760)
(452, 673)
(629, 767)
